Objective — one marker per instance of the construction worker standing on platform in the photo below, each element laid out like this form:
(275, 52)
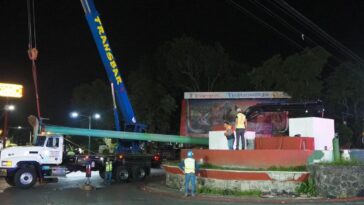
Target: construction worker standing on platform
(189, 168)
(240, 125)
(108, 171)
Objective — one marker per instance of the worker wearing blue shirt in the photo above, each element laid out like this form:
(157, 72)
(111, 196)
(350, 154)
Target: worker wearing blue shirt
(189, 168)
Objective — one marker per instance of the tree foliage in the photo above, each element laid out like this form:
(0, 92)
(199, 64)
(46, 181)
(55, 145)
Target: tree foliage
(153, 105)
(94, 98)
(345, 90)
(189, 65)
(297, 74)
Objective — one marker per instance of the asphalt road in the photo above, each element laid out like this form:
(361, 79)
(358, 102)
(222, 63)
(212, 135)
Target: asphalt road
(67, 191)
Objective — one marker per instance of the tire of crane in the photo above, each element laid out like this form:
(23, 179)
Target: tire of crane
(122, 174)
(139, 173)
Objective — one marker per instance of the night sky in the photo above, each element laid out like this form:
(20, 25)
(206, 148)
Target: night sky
(68, 56)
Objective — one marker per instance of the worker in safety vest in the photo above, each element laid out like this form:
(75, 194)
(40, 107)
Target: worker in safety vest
(108, 171)
(240, 125)
(189, 168)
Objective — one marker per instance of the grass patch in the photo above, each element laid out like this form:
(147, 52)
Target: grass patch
(228, 192)
(211, 166)
(288, 169)
(307, 187)
(342, 163)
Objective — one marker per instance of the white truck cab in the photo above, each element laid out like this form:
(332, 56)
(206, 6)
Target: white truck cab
(22, 165)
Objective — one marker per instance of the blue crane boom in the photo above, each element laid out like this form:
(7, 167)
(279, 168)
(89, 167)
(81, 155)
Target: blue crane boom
(108, 59)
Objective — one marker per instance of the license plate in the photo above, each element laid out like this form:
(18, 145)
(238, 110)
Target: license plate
(3, 172)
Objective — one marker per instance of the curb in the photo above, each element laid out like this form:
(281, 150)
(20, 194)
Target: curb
(163, 190)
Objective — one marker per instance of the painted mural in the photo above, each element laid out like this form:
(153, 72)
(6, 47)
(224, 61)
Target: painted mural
(200, 116)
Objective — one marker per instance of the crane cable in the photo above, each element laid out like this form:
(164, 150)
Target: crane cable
(32, 48)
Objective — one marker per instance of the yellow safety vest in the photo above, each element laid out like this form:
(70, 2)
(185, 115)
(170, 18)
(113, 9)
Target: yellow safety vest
(189, 165)
(240, 121)
(108, 167)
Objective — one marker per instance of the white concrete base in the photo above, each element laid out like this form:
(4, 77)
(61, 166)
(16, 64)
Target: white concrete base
(321, 129)
(217, 140)
(282, 182)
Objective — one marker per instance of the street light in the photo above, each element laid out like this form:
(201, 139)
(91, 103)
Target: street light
(95, 116)
(7, 108)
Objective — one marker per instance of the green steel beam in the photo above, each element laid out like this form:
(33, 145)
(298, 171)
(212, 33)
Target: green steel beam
(125, 135)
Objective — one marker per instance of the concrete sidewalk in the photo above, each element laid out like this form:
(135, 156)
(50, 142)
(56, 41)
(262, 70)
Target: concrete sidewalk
(160, 188)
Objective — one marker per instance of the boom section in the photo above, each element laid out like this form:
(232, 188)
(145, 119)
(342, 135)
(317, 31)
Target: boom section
(108, 59)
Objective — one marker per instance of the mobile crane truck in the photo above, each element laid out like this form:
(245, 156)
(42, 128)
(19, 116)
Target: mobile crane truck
(47, 160)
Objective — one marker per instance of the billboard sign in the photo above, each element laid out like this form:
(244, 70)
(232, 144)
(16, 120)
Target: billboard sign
(236, 95)
(207, 111)
(11, 90)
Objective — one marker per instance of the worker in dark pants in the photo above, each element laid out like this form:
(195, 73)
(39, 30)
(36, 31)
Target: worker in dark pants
(240, 126)
(108, 171)
(189, 168)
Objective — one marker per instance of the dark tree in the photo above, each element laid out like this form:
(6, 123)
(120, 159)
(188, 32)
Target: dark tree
(188, 65)
(345, 90)
(88, 99)
(297, 74)
(153, 105)
(94, 98)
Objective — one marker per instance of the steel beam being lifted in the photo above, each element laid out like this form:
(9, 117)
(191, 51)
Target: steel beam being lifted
(125, 135)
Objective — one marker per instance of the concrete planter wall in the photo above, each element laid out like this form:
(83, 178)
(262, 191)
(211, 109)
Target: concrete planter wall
(265, 181)
(338, 181)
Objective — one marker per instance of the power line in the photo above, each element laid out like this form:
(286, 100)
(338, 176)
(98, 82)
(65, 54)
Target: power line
(284, 22)
(290, 27)
(313, 27)
(244, 10)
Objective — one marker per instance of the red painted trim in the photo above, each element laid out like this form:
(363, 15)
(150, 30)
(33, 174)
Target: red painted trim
(285, 143)
(183, 118)
(303, 177)
(172, 169)
(226, 175)
(252, 158)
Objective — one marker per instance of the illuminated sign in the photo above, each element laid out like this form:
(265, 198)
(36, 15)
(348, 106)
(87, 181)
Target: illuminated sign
(235, 95)
(11, 90)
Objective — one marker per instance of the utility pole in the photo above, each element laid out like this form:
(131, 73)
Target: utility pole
(5, 129)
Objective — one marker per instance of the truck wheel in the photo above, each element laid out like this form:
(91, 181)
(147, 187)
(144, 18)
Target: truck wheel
(25, 178)
(10, 180)
(122, 174)
(139, 173)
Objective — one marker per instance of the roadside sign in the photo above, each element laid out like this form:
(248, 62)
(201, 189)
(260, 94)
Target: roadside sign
(11, 90)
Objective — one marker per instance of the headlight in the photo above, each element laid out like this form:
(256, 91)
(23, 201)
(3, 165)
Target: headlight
(6, 163)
